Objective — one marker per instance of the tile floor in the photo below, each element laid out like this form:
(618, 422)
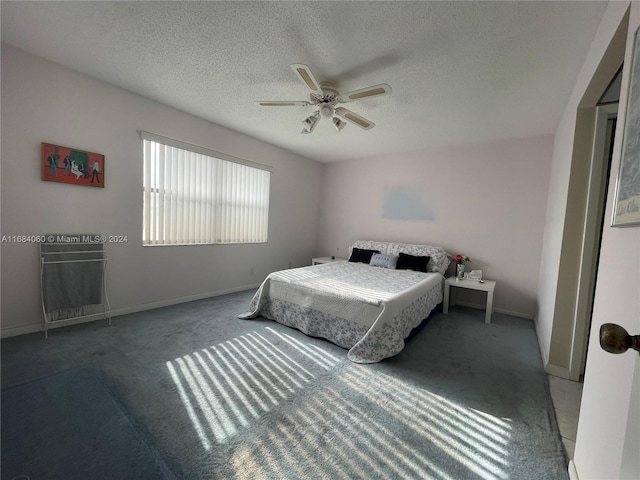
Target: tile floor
(566, 396)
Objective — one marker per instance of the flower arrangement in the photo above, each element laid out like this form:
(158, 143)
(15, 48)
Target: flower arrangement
(461, 259)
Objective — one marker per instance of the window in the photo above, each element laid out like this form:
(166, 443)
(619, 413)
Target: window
(193, 195)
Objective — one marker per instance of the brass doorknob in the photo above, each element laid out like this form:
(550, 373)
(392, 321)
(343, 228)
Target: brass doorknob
(615, 339)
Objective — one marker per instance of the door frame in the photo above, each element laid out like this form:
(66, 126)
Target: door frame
(591, 237)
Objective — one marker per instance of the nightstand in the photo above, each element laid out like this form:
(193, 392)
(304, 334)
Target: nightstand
(487, 286)
(319, 260)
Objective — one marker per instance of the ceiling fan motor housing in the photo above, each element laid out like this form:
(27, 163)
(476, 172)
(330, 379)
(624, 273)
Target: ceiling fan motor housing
(329, 95)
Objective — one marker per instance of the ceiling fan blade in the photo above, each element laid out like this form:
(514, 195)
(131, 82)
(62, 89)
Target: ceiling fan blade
(354, 118)
(304, 73)
(282, 104)
(374, 91)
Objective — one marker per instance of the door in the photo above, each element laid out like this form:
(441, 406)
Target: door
(630, 468)
(608, 437)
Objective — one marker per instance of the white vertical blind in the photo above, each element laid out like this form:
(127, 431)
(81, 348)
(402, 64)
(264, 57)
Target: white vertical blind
(193, 198)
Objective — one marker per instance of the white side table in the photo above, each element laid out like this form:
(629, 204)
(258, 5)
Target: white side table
(487, 286)
(319, 260)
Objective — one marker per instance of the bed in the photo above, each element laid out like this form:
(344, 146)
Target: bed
(364, 308)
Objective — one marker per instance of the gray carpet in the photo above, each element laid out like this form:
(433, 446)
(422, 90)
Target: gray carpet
(230, 399)
(76, 430)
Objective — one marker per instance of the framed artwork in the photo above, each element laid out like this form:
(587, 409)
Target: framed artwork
(626, 207)
(71, 165)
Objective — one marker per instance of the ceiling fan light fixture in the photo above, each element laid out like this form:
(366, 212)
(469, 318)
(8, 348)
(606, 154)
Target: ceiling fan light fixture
(326, 110)
(310, 123)
(339, 124)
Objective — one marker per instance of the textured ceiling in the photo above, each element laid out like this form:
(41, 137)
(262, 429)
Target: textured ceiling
(461, 72)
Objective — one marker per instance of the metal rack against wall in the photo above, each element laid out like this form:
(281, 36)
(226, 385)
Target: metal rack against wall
(73, 281)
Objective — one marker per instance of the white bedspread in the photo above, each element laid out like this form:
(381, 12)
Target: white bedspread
(369, 310)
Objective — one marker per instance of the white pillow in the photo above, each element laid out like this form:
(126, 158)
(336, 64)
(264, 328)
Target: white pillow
(384, 261)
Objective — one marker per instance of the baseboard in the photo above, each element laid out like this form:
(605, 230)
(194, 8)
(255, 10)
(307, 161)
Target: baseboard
(24, 330)
(39, 327)
(511, 313)
(573, 472)
(543, 351)
(175, 301)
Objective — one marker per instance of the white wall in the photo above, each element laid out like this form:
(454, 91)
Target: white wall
(45, 102)
(487, 201)
(608, 438)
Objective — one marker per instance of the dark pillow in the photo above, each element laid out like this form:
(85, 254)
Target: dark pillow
(362, 256)
(411, 262)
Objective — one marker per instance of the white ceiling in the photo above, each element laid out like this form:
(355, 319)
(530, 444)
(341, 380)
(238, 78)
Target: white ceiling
(461, 72)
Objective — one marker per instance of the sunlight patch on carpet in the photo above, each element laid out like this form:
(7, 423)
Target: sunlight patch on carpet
(225, 386)
(350, 430)
(354, 422)
(477, 441)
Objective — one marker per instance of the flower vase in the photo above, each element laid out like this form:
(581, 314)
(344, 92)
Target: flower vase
(459, 271)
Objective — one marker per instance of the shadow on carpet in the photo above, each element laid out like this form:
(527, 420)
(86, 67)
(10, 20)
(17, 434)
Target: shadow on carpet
(69, 426)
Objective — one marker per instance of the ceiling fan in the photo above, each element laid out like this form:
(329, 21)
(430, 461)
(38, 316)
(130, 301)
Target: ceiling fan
(325, 98)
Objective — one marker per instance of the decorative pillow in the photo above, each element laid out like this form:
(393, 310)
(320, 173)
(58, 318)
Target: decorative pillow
(384, 261)
(412, 262)
(439, 261)
(439, 258)
(360, 255)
